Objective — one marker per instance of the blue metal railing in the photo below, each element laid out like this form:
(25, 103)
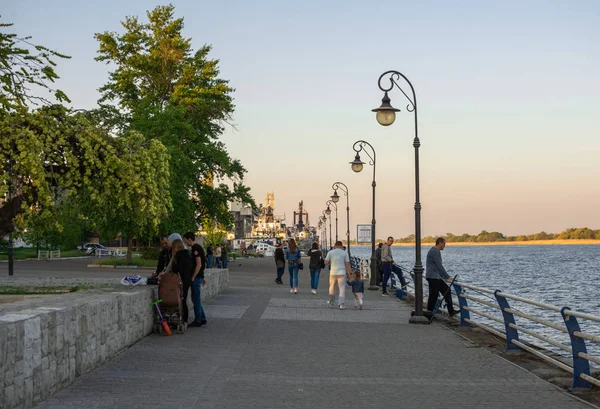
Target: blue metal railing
(496, 307)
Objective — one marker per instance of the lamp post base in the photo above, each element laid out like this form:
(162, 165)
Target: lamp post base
(418, 319)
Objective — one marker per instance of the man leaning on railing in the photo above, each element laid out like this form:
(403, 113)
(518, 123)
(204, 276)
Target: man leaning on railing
(435, 273)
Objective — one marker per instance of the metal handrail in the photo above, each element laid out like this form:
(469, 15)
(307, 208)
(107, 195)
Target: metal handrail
(532, 302)
(581, 358)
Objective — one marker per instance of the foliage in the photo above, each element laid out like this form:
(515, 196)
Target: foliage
(214, 234)
(138, 261)
(150, 253)
(23, 65)
(491, 237)
(51, 158)
(169, 93)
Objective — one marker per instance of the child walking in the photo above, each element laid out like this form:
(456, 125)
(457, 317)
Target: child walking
(358, 289)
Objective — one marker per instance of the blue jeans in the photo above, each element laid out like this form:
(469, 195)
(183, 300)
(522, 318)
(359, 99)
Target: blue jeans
(196, 291)
(398, 271)
(280, 272)
(209, 261)
(387, 272)
(315, 273)
(224, 262)
(293, 270)
(218, 262)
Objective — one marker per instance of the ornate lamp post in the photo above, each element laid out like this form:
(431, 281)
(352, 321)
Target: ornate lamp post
(357, 166)
(324, 220)
(336, 198)
(325, 217)
(328, 211)
(386, 115)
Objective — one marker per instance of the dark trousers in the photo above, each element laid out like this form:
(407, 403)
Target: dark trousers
(438, 286)
(387, 272)
(280, 272)
(187, 284)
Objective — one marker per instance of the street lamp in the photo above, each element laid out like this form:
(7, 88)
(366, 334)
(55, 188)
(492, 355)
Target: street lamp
(386, 115)
(332, 203)
(336, 198)
(357, 166)
(324, 220)
(328, 213)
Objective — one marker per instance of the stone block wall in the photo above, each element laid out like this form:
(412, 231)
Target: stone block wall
(46, 347)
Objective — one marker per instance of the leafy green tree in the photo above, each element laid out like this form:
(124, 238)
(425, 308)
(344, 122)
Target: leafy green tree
(166, 91)
(24, 65)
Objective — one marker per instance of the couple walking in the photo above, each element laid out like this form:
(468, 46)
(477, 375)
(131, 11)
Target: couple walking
(294, 260)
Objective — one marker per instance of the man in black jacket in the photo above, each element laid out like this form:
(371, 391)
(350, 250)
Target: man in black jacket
(164, 258)
(279, 263)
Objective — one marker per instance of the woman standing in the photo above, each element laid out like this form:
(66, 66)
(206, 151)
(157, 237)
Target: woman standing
(292, 255)
(182, 263)
(316, 258)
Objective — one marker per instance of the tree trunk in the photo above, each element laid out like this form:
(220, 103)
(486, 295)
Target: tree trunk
(129, 250)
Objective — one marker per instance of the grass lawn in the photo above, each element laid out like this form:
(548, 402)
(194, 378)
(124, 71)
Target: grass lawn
(136, 261)
(23, 253)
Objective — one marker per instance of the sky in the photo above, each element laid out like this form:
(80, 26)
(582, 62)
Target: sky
(508, 99)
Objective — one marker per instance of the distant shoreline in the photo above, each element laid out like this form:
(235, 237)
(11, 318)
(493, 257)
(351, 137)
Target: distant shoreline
(511, 243)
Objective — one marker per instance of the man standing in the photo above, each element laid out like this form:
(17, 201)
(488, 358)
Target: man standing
(387, 260)
(164, 257)
(435, 273)
(209, 256)
(197, 278)
(279, 263)
(339, 262)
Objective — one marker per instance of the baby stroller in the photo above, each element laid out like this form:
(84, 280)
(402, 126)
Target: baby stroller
(170, 290)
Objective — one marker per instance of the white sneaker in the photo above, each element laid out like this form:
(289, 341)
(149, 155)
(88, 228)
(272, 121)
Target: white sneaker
(342, 307)
(291, 291)
(313, 291)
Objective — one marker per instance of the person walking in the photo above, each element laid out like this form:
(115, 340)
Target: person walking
(339, 261)
(209, 257)
(315, 266)
(182, 264)
(218, 256)
(387, 260)
(358, 289)
(198, 281)
(436, 276)
(279, 263)
(293, 257)
(378, 264)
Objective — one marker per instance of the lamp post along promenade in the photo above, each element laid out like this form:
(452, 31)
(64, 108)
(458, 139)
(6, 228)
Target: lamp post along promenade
(357, 166)
(331, 203)
(386, 115)
(336, 198)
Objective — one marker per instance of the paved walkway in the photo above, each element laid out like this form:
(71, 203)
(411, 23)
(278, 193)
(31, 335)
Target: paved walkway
(265, 348)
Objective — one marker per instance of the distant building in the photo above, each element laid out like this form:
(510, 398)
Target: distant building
(243, 219)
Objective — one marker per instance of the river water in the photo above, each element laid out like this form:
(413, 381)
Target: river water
(561, 275)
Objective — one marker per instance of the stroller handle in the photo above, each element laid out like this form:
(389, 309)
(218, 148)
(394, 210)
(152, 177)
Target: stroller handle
(155, 302)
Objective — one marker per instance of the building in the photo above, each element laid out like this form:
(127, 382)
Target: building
(243, 219)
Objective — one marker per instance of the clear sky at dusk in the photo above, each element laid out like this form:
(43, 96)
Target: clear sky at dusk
(508, 93)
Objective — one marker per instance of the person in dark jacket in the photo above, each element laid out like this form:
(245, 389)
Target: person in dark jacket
(182, 263)
(358, 289)
(198, 280)
(378, 264)
(209, 256)
(164, 257)
(315, 265)
(279, 263)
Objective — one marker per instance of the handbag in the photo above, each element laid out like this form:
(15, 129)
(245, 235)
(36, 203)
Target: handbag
(322, 263)
(300, 266)
(280, 263)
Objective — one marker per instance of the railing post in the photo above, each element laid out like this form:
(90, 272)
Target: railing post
(580, 365)
(509, 318)
(462, 304)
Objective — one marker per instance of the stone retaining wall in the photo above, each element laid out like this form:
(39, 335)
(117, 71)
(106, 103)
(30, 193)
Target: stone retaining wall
(45, 347)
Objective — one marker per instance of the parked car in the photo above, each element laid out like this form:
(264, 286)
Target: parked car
(90, 248)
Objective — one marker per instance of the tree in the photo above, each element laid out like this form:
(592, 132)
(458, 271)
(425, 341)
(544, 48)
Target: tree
(24, 65)
(167, 92)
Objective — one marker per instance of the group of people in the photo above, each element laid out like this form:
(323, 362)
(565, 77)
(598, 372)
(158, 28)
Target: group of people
(185, 257)
(217, 256)
(340, 272)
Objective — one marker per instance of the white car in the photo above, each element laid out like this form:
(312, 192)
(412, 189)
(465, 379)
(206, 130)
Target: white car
(90, 248)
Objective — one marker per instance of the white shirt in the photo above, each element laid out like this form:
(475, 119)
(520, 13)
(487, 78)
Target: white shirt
(338, 259)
